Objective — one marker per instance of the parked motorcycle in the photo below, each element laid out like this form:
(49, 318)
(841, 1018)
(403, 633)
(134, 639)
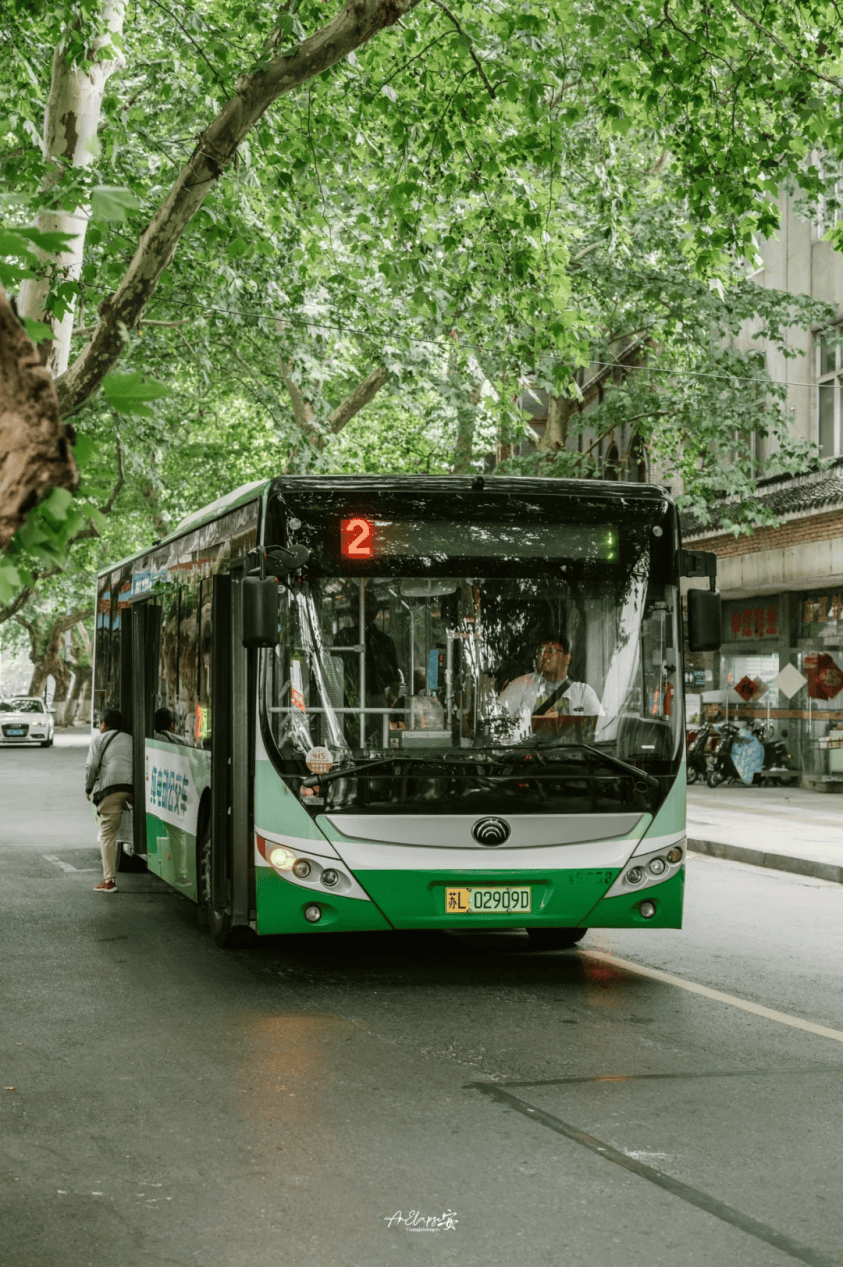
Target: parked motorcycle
(739, 755)
(776, 771)
(700, 743)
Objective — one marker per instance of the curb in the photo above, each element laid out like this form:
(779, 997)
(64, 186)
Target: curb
(776, 861)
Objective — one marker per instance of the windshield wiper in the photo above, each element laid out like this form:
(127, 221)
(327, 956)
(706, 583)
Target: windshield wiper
(649, 779)
(608, 757)
(349, 771)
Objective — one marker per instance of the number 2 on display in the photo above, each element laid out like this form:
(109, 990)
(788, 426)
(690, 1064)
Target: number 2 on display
(357, 537)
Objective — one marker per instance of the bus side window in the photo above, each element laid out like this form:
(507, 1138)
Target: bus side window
(202, 713)
(168, 654)
(102, 653)
(188, 665)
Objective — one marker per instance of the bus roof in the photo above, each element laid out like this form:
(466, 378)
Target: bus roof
(245, 493)
(528, 486)
(238, 497)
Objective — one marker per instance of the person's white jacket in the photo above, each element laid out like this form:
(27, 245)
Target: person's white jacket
(115, 772)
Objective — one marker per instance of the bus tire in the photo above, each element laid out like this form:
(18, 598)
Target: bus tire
(555, 938)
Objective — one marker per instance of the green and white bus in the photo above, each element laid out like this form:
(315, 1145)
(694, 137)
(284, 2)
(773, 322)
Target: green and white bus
(339, 656)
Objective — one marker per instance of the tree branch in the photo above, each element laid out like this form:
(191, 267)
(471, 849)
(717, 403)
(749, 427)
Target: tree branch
(20, 600)
(474, 58)
(360, 397)
(302, 409)
(829, 79)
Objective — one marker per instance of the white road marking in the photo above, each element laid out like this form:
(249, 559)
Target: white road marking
(65, 866)
(693, 987)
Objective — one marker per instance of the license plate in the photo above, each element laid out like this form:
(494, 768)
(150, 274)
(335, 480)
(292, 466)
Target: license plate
(497, 899)
(11, 731)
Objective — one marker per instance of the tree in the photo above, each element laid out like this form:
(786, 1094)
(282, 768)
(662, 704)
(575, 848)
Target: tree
(431, 176)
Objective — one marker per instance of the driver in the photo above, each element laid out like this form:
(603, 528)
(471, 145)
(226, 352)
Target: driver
(545, 699)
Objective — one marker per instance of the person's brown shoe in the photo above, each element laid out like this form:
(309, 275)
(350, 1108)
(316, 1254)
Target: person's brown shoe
(105, 886)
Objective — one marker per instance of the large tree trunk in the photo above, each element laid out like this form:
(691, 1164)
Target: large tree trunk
(81, 679)
(556, 431)
(464, 450)
(71, 121)
(44, 647)
(35, 452)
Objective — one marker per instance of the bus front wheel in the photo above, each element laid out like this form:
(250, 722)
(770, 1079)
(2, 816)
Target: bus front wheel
(555, 938)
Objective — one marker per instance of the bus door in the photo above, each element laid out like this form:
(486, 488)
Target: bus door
(232, 756)
(144, 624)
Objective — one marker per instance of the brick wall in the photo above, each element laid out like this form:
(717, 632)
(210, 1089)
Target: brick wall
(791, 533)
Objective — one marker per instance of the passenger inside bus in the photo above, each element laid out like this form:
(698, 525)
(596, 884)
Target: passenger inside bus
(384, 679)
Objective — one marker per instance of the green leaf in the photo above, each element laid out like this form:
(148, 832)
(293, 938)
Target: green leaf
(84, 450)
(15, 244)
(10, 579)
(56, 506)
(109, 202)
(37, 330)
(127, 393)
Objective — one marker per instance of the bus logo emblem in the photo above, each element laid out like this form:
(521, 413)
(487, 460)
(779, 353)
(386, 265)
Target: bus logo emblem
(490, 831)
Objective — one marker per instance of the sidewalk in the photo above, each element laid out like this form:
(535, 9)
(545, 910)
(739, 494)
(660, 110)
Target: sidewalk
(788, 828)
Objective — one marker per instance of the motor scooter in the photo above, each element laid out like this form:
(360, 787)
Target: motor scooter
(697, 758)
(776, 771)
(739, 755)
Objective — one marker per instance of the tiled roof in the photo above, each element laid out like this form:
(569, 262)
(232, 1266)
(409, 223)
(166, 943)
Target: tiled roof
(785, 495)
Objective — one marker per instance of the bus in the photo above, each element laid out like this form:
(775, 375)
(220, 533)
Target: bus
(352, 741)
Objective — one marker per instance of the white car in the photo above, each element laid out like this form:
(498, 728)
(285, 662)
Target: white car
(26, 719)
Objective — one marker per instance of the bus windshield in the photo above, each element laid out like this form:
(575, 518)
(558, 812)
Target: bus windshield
(467, 665)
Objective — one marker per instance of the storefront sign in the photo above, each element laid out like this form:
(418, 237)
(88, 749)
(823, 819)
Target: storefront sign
(750, 622)
(746, 688)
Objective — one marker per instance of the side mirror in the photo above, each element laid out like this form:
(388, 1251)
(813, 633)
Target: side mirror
(704, 620)
(281, 561)
(260, 612)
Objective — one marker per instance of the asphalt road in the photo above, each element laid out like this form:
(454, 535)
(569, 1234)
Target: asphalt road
(362, 1101)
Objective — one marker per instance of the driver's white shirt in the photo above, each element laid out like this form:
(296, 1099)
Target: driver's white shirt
(521, 697)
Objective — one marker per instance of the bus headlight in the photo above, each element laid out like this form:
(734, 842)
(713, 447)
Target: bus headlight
(658, 866)
(313, 913)
(647, 909)
(302, 868)
(330, 877)
(282, 858)
(635, 875)
(674, 855)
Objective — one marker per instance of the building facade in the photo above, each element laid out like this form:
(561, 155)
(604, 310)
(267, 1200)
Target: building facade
(782, 594)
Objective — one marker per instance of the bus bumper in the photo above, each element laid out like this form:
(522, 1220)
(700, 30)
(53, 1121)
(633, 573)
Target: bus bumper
(624, 911)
